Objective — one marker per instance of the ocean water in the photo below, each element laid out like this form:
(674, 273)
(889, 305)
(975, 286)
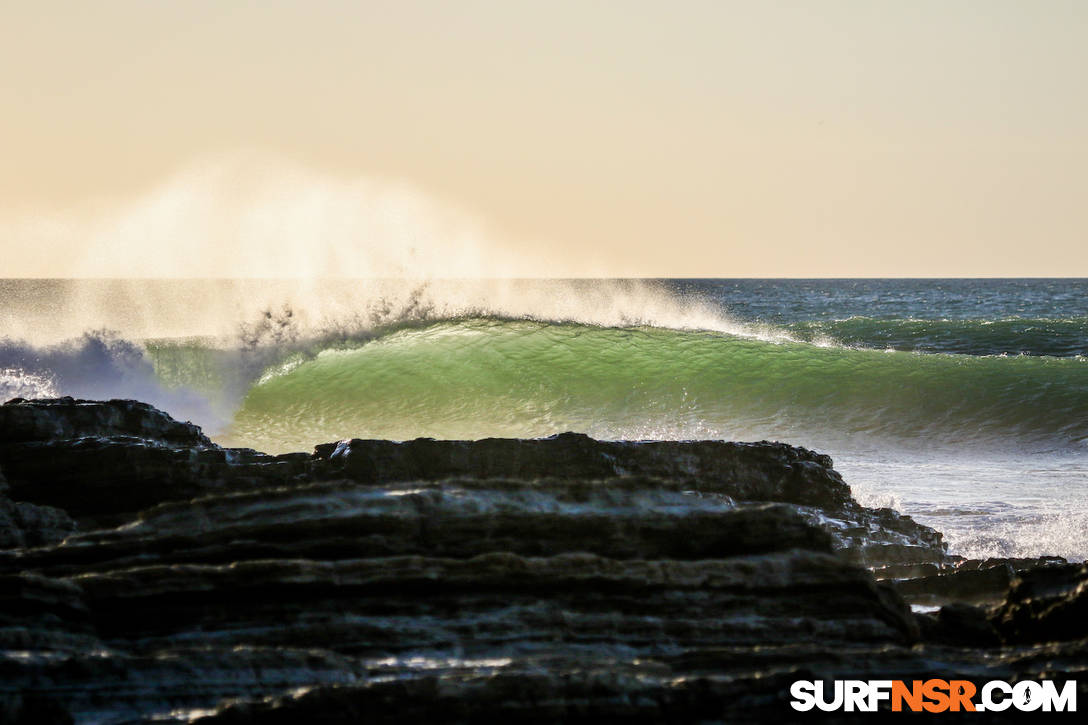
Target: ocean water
(963, 403)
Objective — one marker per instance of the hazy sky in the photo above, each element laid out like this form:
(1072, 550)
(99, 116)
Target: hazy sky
(820, 138)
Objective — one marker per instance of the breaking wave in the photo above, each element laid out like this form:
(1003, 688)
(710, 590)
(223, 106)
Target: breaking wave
(478, 377)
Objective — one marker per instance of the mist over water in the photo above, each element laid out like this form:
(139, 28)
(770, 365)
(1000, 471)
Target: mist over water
(261, 217)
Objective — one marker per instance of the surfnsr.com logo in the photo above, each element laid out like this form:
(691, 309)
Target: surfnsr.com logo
(933, 696)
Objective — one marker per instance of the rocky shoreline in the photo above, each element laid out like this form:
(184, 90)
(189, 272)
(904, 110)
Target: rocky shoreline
(148, 575)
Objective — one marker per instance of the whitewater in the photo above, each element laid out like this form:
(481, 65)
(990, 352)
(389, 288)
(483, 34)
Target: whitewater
(961, 402)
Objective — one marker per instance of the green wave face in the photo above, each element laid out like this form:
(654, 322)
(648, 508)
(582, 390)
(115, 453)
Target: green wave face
(485, 377)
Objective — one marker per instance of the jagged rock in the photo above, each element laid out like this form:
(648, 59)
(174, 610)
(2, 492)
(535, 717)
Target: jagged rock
(960, 624)
(104, 480)
(907, 571)
(1046, 604)
(438, 581)
(745, 471)
(880, 537)
(101, 480)
(582, 695)
(102, 461)
(40, 617)
(25, 524)
(973, 586)
(620, 518)
(97, 459)
(108, 685)
(23, 421)
(501, 600)
(196, 634)
(1014, 563)
(589, 691)
(28, 599)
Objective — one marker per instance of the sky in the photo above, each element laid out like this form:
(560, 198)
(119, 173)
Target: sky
(725, 138)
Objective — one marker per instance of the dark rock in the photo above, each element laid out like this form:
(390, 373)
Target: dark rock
(960, 624)
(745, 471)
(563, 579)
(1046, 604)
(580, 696)
(620, 518)
(104, 480)
(25, 524)
(28, 598)
(102, 461)
(98, 459)
(907, 571)
(974, 586)
(40, 617)
(23, 421)
(101, 480)
(501, 600)
(110, 685)
(32, 710)
(880, 537)
(1016, 564)
(587, 692)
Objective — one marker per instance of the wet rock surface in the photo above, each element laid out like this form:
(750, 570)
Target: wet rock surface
(749, 471)
(1046, 603)
(148, 575)
(25, 524)
(67, 418)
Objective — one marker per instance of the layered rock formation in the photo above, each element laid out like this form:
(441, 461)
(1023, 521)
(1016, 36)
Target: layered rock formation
(149, 575)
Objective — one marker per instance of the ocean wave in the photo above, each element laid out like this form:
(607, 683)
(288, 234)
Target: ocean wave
(278, 388)
(98, 365)
(479, 377)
